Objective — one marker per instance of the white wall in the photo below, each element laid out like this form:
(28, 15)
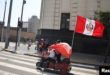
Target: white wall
(51, 16)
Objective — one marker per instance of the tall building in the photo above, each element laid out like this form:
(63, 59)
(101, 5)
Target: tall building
(33, 24)
(58, 19)
(25, 26)
(61, 14)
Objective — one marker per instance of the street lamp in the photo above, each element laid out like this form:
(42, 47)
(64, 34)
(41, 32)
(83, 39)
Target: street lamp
(20, 23)
(3, 22)
(8, 26)
(24, 2)
(19, 33)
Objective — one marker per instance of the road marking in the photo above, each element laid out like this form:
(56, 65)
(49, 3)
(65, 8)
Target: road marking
(6, 73)
(16, 57)
(83, 71)
(20, 55)
(82, 65)
(18, 61)
(75, 70)
(3, 58)
(34, 71)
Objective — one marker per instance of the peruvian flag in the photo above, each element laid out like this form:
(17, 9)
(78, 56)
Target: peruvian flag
(89, 27)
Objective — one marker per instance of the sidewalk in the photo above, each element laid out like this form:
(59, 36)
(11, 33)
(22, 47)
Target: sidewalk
(22, 49)
(89, 59)
(76, 57)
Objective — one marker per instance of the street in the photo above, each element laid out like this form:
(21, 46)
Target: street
(56, 37)
(18, 64)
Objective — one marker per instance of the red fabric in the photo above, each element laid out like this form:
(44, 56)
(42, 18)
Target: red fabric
(80, 24)
(62, 48)
(80, 27)
(99, 29)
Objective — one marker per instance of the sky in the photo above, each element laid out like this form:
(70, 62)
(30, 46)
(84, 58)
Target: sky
(32, 7)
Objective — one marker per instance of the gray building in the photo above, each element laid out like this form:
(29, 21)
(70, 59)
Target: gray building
(62, 14)
(33, 24)
(58, 20)
(25, 24)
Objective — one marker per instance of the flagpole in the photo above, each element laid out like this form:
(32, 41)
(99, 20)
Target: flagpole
(73, 37)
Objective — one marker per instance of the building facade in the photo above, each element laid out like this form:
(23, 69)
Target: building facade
(25, 24)
(58, 20)
(33, 24)
(62, 14)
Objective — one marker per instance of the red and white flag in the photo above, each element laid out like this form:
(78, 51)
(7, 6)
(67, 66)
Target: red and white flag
(89, 27)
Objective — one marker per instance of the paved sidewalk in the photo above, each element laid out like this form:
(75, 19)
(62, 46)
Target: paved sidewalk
(22, 49)
(89, 59)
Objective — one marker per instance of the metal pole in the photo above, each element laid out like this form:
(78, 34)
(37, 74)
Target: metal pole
(2, 36)
(16, 37)
(19, 33)
(22, 9)
(8, 26)
(73, 36)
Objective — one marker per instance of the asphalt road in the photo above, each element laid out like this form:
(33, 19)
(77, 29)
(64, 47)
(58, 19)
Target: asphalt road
(17, 64)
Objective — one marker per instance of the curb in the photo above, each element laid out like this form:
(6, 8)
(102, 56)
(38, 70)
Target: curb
(32, 55)
(6, 50)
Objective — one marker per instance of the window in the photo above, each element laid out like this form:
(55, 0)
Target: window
(65, 21)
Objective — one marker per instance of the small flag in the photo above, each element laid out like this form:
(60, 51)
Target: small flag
(89, 27)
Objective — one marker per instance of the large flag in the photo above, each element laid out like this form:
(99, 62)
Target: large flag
(89, 27)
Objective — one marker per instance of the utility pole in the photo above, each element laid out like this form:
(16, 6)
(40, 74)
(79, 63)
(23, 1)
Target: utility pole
(16, 37)
(19, 32)
(8, 26)
(3, 22)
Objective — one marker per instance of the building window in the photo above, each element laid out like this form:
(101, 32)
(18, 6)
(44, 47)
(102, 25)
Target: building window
(65, 21)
